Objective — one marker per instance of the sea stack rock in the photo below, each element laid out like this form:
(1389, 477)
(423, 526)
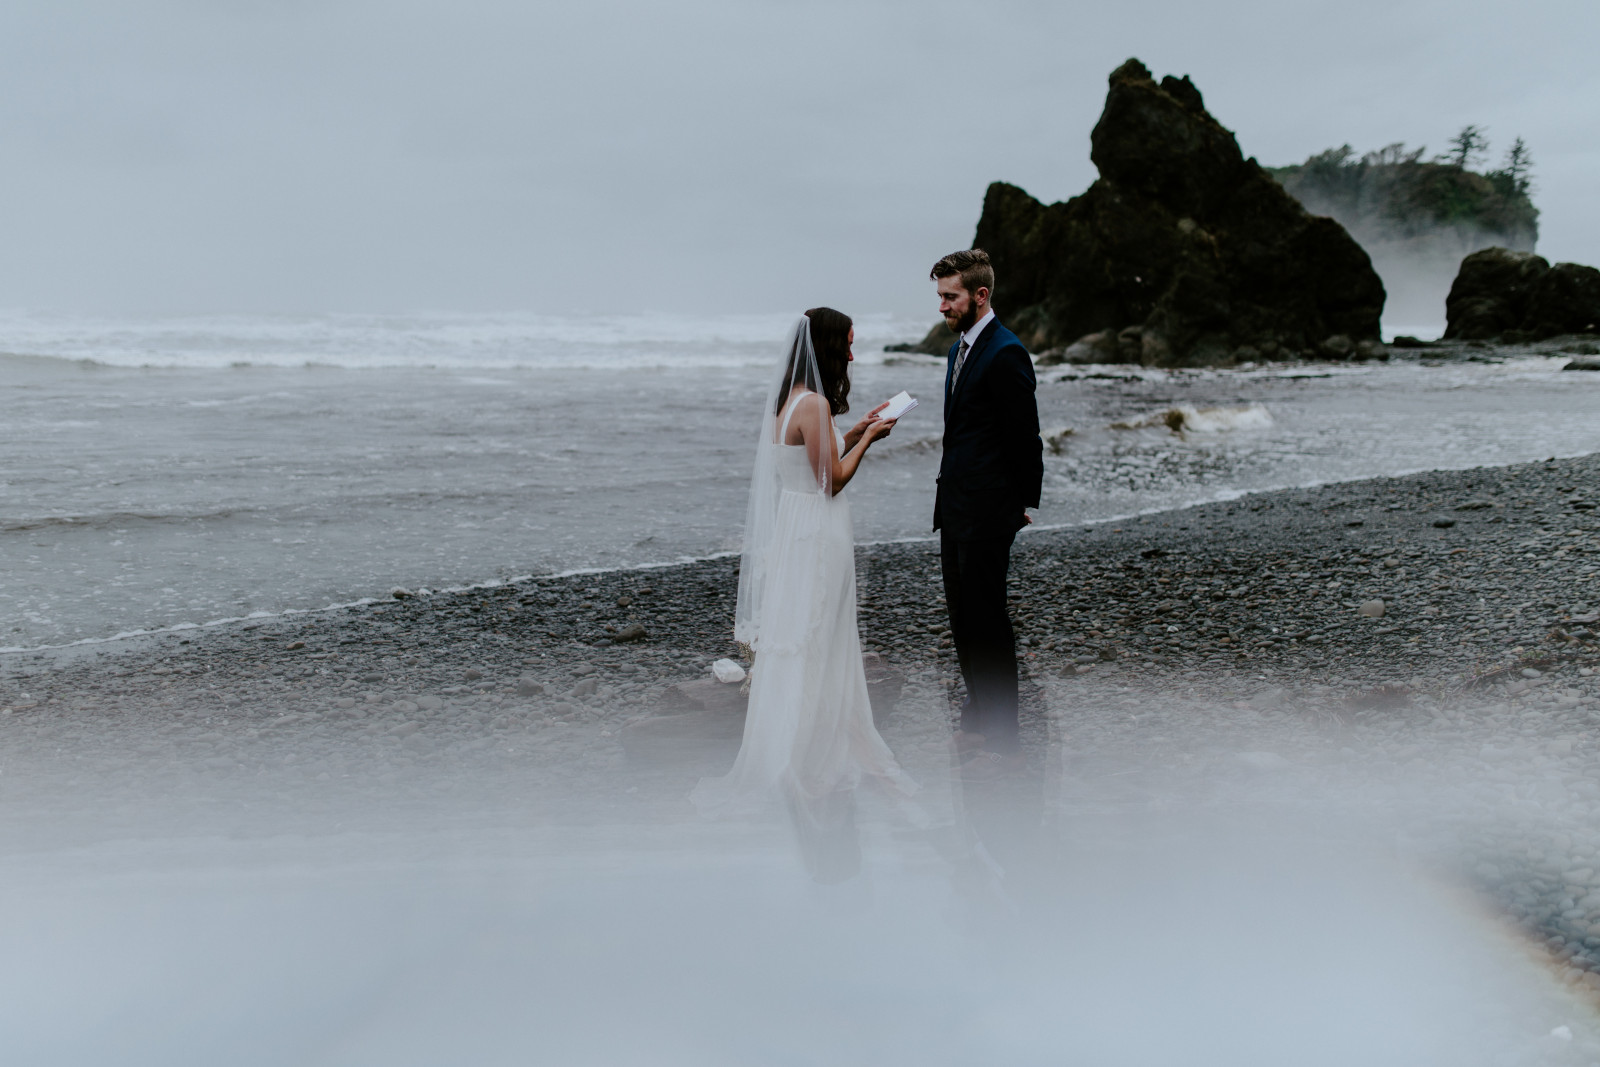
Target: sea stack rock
(1517, 296)
(1182, 253)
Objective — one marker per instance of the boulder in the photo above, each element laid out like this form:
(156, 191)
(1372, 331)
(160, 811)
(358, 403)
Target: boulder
(1182, 252)
(1499, 294)
(1339, 346)
(1098, 347)
(1492, 293)
(937, 343)
(1567, 300)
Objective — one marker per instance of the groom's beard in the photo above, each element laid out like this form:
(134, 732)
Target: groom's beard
(965, 322)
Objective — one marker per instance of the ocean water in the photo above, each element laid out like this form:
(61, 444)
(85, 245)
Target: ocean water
(176, 472)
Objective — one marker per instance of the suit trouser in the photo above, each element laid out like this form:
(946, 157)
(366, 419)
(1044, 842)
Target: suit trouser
(975, 593)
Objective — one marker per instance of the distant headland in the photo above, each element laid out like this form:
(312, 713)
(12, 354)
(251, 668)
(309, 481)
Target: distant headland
(1394, 194)
(1418, 218)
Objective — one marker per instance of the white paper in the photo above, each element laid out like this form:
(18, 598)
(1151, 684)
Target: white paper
(899, 404)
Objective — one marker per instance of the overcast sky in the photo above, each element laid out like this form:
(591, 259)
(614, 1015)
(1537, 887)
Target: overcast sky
(638, 156)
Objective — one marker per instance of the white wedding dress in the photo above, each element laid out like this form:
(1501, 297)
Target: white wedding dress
(809, 738)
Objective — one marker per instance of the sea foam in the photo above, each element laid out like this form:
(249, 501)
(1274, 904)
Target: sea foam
(510, 341)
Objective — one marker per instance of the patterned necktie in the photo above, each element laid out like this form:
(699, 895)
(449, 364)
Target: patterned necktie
(961, 357)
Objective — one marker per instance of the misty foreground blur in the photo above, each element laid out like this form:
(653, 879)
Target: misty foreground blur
(1182, 879)
(1126, 905)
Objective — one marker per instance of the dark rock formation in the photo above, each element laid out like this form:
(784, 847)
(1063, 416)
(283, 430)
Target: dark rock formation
(937, 343)
(1517, 296)
(1182, 252)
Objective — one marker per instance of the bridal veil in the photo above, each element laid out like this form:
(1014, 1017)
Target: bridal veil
(796, 371)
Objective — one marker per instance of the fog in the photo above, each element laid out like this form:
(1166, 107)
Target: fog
(623, 156)
(1417, 275)
(516, 947)
(1229, 908)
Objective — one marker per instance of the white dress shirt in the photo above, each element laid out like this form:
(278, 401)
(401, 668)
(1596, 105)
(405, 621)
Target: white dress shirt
(970, 339)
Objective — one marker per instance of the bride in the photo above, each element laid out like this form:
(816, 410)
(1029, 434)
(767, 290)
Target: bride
(808, 735)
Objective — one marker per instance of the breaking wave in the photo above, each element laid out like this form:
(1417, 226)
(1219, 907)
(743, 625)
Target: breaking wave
(1186, 419)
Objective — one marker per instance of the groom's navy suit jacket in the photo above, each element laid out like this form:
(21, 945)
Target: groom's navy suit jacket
(993, 463)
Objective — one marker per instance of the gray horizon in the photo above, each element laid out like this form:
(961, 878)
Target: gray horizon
(291, 157)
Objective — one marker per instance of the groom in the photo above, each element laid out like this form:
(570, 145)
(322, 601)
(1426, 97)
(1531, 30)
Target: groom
(991, 470)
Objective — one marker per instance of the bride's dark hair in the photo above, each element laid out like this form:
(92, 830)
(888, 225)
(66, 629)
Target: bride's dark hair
(830, 340)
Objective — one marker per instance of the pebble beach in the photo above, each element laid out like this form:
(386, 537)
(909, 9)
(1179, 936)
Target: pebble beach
(1415, 654)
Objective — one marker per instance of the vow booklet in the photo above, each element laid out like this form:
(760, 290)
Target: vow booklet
(899, 404)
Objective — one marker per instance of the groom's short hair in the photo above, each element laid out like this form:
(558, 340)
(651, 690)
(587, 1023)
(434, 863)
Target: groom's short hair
(974, 267)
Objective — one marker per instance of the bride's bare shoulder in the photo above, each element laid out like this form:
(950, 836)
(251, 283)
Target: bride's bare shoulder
(806, 400)
(803, 405)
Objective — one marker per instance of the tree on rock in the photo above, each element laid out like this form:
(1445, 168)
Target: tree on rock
(1515, 177)
(1468, 147)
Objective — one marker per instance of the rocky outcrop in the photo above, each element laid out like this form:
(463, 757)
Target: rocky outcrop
(1511, 296)
(1183, 251)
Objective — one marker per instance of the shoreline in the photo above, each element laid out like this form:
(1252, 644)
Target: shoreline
(422, 592)
(1320, 435)
(1155, 533)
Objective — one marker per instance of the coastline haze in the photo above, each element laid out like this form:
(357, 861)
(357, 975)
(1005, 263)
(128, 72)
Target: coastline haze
(619, 158)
